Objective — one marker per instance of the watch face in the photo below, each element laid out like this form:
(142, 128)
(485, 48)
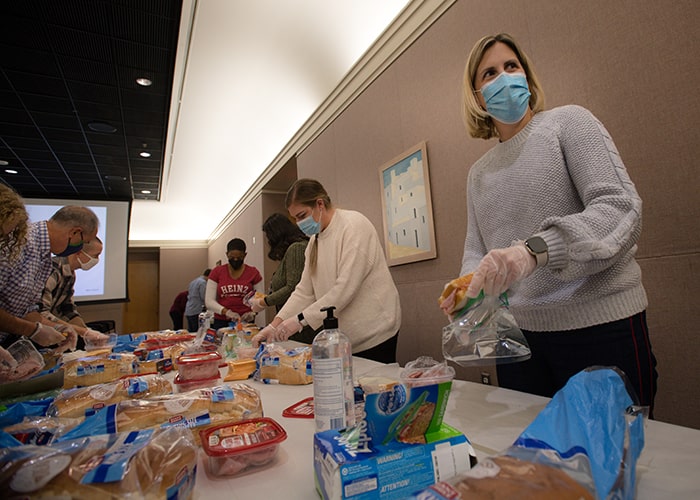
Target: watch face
(537, 244)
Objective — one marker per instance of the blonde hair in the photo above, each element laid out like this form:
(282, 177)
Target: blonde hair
(306, 192)
(12, 206)
(479, 123)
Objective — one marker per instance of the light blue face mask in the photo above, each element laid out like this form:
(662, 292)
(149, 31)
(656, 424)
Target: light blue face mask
(309, 226)
(507, 97)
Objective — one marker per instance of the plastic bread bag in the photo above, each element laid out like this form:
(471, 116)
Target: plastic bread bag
(40, 430)
(584, 444)
(196, 408)
(277, 364)
(84, 401)
(485, 332)
(150, 464)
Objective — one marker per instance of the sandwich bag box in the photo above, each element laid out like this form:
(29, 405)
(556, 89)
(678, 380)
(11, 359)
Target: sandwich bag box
(347, 466)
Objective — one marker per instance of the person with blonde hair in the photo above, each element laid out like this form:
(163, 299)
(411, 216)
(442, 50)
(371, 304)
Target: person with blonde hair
(13, 222)
(346, 268)
(554, 219)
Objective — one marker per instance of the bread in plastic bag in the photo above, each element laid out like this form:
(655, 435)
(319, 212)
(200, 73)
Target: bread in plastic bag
(485, 333)
(151, 464)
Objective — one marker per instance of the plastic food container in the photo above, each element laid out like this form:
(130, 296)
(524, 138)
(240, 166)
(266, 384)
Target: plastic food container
(191, 385)
(426, 371)
(108, 343)
(232, 448)
(29, 360)
(246, 352)
(198, 366)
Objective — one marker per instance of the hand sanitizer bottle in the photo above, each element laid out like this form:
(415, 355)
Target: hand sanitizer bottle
(331, 365)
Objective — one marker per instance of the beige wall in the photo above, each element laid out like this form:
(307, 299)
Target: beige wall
(633, 66)
(178, 266)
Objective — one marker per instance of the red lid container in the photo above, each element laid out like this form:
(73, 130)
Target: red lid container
(191, 385)
(234, 447)
(199, 365)
(302, 409)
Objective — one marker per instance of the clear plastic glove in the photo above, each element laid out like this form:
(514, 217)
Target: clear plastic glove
(47, 336)
(7, 362)
(500, 268)
(257, 304)
(267, 334)
(70, 340)
(289, 327)
(233, 315)
(248, 317)
(95, 337)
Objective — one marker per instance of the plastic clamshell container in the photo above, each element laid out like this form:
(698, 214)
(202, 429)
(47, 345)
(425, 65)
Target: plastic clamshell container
(198, 366)
(29, 360)
(235, 447)
(108, 343)
(191, 385)
(245, 352)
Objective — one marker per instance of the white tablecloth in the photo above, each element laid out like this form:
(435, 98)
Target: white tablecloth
(491, 417)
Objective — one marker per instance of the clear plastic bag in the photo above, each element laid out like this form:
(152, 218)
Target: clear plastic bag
(485, 333)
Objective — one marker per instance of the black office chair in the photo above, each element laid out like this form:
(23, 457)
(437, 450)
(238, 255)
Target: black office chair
(103, 326)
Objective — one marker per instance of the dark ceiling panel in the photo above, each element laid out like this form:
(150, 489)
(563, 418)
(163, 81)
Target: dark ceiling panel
(66, 65)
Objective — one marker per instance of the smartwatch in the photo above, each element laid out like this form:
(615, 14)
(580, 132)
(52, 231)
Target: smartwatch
(301, 319)
(538, 249)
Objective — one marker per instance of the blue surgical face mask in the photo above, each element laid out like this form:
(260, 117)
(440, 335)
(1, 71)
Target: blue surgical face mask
(72, 248)
(507, 97)
(309, 226)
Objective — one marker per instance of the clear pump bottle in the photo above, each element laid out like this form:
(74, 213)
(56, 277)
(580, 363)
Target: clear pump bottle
(334, 405)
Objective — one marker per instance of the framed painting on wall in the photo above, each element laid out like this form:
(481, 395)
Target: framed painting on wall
(407, 209)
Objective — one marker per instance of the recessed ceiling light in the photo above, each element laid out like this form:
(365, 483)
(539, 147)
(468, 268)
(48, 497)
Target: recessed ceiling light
(145, 154)
(144, 82)
(3, 162)
(145, 191)
(102, 127)
(10, 171)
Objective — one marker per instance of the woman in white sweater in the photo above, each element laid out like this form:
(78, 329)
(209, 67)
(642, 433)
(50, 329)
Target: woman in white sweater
(346, 268)
(553, 218)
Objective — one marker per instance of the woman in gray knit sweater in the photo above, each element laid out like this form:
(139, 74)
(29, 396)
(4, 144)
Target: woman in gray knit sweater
(553, 218)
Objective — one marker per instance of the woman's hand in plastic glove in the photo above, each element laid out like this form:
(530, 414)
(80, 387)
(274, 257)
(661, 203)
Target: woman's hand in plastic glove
(500, 268)
(267, 334)
(257, 304)
(232, 315)
(248, 317)
(46, 336)
(289, 327)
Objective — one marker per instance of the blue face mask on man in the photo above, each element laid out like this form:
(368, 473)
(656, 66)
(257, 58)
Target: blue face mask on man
(72, 248)
(309, 226)
(507, 97)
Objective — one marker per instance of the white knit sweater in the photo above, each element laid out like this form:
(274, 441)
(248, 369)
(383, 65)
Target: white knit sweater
(351, 274)
(560, 178)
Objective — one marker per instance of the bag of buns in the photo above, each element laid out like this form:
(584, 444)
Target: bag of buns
(150, 464)
(277, 365)
(197, 408)
(84, 401)
(93, 370)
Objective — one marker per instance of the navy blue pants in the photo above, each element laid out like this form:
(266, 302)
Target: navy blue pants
(557, 356)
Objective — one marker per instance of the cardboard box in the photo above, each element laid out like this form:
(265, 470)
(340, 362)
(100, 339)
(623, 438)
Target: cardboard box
(405, 413)
(348, 466)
